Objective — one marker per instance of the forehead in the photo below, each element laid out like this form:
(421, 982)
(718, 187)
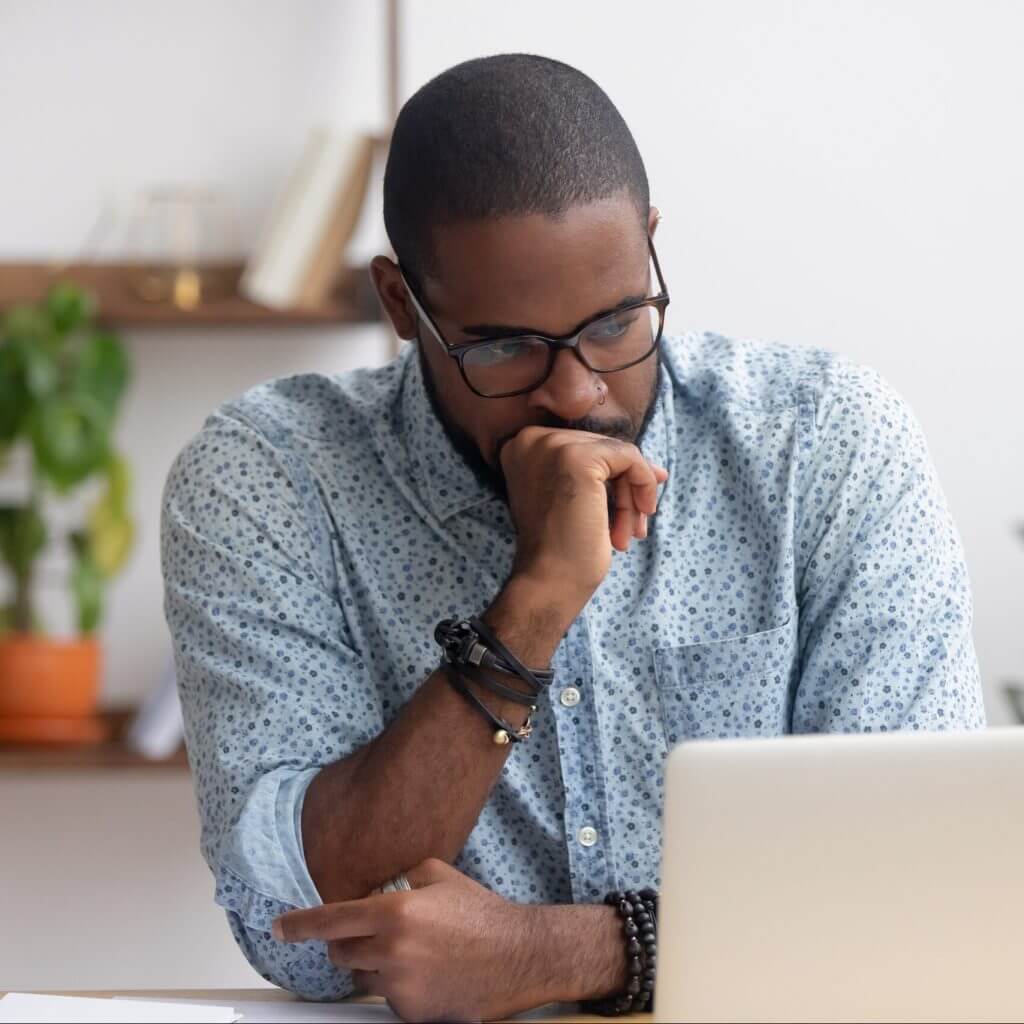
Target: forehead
(544, 272)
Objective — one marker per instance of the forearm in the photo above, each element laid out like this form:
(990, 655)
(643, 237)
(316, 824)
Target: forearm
(417, 789)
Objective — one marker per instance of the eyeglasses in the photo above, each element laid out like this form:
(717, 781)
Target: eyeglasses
(513, 365)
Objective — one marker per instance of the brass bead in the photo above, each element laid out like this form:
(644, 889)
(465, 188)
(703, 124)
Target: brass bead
(501, 737)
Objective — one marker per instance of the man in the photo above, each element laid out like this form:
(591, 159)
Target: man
(699, 537)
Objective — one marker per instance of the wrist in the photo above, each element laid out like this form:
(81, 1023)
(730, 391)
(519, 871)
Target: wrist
(578, 953)
(556, 590)
(531, 617)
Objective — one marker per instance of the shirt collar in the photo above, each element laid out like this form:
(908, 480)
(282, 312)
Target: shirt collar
(656, 444)
(445, 480)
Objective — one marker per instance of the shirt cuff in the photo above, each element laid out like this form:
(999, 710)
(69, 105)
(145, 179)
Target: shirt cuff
(263, 850)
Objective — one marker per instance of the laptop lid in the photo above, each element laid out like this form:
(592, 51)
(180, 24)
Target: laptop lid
(815, 878)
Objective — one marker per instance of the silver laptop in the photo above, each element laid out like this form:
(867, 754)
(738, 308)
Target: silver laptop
(846, 878)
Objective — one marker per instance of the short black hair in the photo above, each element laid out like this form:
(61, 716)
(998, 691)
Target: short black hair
(507, 135)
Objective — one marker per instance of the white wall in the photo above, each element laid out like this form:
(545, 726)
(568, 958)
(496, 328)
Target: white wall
(102, 887)
(843, 174)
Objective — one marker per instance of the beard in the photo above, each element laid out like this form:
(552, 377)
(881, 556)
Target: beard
(622, 428)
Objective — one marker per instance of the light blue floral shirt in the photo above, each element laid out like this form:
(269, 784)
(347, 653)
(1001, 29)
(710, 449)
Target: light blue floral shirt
(802, 574)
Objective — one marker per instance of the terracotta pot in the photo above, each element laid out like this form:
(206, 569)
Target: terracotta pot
(46, 678)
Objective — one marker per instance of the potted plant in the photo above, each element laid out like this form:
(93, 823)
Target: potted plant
(61, 382)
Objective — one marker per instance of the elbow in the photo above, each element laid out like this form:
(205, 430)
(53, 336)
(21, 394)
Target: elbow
(302, 968)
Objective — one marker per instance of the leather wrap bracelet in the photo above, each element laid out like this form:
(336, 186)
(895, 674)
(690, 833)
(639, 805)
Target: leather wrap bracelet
(469, 648)
(538, 678)
(504, 732)
(472, 643)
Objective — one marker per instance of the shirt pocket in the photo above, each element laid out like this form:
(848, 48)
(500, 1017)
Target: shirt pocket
(728, 688)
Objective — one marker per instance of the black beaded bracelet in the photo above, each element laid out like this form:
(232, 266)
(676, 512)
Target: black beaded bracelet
(639, 913)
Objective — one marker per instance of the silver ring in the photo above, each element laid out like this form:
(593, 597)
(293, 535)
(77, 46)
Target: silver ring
(397, 884)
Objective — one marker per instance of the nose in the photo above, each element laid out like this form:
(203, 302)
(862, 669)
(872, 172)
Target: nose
(571, 390)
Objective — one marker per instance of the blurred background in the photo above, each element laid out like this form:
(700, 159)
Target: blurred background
(844, 175)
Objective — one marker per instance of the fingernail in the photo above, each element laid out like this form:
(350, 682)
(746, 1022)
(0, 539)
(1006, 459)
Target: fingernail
(643, 523)
(275, 929)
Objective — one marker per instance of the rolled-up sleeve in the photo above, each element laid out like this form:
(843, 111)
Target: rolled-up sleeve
(257, 629)
(885, 600)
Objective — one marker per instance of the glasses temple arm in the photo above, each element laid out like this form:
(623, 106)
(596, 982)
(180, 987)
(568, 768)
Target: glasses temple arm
(421, 312)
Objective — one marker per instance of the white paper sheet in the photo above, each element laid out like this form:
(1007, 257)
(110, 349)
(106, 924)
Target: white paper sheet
(294, 1011)
(27, 1008)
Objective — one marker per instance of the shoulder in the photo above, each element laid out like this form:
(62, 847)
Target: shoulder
(316, 408)
(770, 376)
(832, 392)
(292, 416)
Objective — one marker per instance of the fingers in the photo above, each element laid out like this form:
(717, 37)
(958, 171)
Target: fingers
(368, 983)
(427, 872)
(636, 498)
(611, 459)
(430, 872)
(355, 918)
(624, 526)
(331, 921)
(622, 459)
(367, 955)
(642, 478)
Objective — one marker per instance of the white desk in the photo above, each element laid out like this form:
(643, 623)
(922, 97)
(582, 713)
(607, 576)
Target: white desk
(276, 995)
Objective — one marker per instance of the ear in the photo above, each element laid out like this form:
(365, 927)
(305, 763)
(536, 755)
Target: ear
(394, 299)
(653, 219)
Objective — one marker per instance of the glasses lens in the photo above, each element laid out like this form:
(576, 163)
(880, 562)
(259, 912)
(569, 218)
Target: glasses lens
(506, 366)
(621, 339)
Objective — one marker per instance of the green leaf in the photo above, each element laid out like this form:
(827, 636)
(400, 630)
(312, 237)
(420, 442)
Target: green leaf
(111, 530)
(119, 482)
(22, 537)
(87, 587)
(111, 543)
(102, 369)
(70, 438)
(28, 324)
(113, 502)
(68, 307)
(14, 397)
(40, 368)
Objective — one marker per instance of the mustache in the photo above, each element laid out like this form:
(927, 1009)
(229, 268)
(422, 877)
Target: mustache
(620, 429)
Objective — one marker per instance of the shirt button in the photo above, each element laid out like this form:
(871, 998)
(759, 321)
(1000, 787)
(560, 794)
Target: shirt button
(570, 697)
(587, 836)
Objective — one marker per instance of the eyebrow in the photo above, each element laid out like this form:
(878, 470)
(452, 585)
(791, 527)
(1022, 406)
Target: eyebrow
(507, 330)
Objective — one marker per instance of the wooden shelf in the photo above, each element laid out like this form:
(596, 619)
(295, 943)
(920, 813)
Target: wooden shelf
(115, 754)
(116, 288)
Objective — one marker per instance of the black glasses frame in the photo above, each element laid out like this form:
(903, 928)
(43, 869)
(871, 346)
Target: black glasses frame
(566, 341)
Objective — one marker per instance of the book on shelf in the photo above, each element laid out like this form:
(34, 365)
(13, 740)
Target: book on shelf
(301, 253)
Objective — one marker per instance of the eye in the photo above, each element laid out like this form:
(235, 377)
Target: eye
(500, 352)
(611, 327)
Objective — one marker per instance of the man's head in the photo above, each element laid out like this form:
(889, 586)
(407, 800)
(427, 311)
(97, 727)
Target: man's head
(516, 201)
